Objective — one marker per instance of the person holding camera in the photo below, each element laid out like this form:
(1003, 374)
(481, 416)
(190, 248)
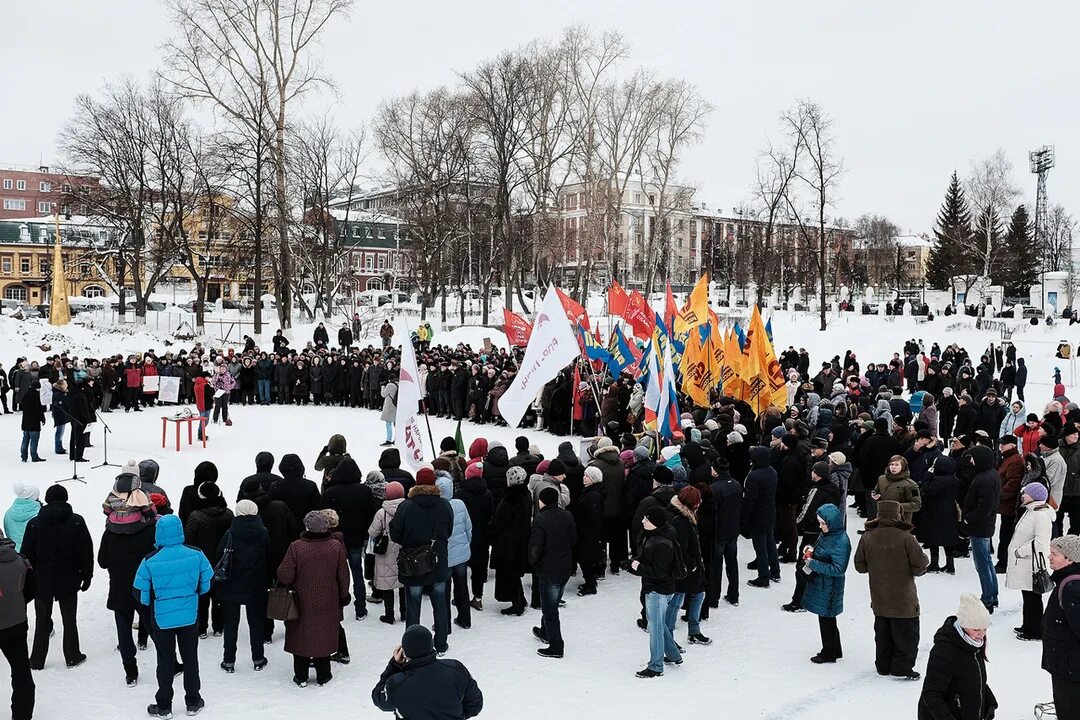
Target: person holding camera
(417, 684)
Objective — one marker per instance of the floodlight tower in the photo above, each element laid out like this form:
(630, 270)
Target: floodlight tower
(1040, 161)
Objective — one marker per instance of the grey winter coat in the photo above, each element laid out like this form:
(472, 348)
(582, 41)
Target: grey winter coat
(389, 403)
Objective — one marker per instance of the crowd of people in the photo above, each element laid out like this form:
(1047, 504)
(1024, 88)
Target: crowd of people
(930, 448)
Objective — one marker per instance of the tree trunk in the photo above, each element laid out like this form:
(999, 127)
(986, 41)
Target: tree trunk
(284, 291)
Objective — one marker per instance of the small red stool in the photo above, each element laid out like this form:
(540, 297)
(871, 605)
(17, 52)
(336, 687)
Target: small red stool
(190, 419)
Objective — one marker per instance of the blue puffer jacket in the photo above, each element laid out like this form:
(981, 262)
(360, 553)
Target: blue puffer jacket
(825, 588)
(459, 547)
(22, 511)
(172, 578)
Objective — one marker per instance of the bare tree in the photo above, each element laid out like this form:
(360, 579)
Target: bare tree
(774, 174)
(992, 193)
(818, 173)
(879, 251)
(1056, 240)
(252, 60)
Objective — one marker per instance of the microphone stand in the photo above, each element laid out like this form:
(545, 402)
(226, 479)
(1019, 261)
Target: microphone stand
(105, 432)
(75, 476)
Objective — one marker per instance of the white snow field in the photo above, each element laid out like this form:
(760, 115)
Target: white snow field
(757, 667)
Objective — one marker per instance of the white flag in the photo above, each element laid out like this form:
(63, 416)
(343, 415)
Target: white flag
(407, 435)
(551, 347)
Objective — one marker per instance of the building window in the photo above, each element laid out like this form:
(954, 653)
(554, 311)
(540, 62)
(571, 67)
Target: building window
(7, 183)
(5, 265)
(20, 184)
(44, 264)
(382, 234)
(356, 232)
(15, 292)
(44, 186)
(66, 189)
(369, 261)
(10, 204)
(84, 269)
(382, 261)
(44, 207)
(24, 265)
(93, 291)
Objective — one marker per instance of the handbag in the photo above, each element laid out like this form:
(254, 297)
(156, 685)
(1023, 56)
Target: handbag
(281, 604)
(1040, 578)
(381, 544)
(417, 561)
(223, 568)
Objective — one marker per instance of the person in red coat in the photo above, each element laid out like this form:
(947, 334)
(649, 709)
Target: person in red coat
(132, 385)
(204, 399)
(149, 369)
(316, 568)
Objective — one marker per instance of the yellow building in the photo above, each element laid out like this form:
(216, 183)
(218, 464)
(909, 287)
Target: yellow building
(26, 258)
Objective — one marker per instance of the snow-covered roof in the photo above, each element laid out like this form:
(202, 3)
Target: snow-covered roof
(365, 216)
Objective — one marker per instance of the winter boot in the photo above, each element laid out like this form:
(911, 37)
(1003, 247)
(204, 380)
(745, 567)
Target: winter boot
(131, 673)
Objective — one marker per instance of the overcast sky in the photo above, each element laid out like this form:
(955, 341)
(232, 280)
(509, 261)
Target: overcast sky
(915, 89)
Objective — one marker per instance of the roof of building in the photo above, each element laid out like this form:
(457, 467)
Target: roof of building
(365, 216)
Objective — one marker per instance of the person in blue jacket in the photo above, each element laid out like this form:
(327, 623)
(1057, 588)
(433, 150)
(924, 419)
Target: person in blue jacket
(170, 580)
(458, 550)
(826, 564)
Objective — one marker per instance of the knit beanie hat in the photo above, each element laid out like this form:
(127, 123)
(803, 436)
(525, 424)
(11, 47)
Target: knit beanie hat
(790, 441)
(593, 475)
(395, 491)
(515, 476)
(669, 452)
(972, 614)
(416, 642)
(25, 491)
(641, 453)
(556, 468)
(1067, 545)
(779, 431)
(425, 476)
(521, 444)
(56, 493)
(604, 442)
(821, 470)
(837, 458)
(712, 425)
(657, 516)
(245, 508)
(734, 438)
(542, 466)
(317, 522)
(1049, 442)
(474, 470)
(1032, 417)
(663, 475)
(209, 491)
(549, 496)
(159, 500)
(1008, 439)
(1035, 491)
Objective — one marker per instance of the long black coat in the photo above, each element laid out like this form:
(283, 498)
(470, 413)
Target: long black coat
(509, 532)
(352, 500)
(496, 463)
(727, 502)
(638, 486)
(955, 683)
(939, 518)
(551, 543)
(589, 520)
(480, 505)
(120, 555)
(206, 525)
(297, 492)
(250, 572)
(982, 497)
(759, 495)
(279, 523)
(60, 550)
(1060, 640)
(791, 478)
(33, 412)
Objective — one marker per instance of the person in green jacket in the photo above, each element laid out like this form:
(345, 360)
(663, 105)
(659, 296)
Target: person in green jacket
(23, 510)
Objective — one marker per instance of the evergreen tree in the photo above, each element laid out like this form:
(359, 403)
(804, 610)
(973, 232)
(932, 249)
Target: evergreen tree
(1021, 261)
(950, 255)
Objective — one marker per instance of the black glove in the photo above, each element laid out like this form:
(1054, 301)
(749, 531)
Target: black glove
(85, 585)
(346, 600)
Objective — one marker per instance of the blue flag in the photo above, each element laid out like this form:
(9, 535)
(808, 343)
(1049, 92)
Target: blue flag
(619, 350)
(593, 349)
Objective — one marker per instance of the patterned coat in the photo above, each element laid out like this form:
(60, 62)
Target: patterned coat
(316, 568)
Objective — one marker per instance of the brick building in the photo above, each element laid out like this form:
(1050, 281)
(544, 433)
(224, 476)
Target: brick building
(27, 193)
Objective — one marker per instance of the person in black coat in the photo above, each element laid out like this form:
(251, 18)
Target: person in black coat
(496, 463)
(60, 550)
(589, 521)
(727, 495)
(425, 519)
(1021, 377)
(524, 458)
(1060, 637)
(204, 529)
(551, 555)
(939, 523)
(296, 491)
(575, 471)
(979, 516)
(264, 474)
(417, 684)
(248, 578)
(351, 499)
(967, 419)
(662, 492)
(684, 520)
(822, 492)
(480, 505)
(390, 465)
(509, 533)
(955, 684)
(80, 412)
(758, 516)
(872, 458)
(205, 472)
(276, 518)
(33, 418)
(120, 553)
(639, 482)
(791, 488)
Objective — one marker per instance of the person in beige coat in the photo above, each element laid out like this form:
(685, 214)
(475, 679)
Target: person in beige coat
(1030, 540)
(386, 565)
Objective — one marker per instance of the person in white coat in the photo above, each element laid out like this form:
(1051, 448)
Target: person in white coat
(1055, 467)
(1030, 544)
(385, 578)
(389, 408)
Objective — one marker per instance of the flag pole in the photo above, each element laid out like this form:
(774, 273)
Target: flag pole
(431, 439)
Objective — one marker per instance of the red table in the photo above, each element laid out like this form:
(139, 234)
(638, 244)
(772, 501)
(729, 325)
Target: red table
(190, 419)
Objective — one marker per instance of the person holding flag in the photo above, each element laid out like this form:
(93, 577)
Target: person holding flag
(407, 434)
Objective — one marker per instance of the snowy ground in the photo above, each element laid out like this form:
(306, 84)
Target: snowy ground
(758, 666)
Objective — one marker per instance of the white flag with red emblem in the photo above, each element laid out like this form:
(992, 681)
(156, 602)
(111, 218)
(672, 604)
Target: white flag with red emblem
(552, 346)
(407, 434)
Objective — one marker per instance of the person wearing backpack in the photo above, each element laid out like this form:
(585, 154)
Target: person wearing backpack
(1061, 626)
(658, 563)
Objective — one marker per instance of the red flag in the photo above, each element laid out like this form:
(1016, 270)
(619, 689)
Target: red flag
(578, 409)
(616, 299)
(575, 313)
(670, 311)
(517, 329)
(640, 316)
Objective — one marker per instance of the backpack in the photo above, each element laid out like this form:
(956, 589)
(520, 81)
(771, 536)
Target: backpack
(678, 562)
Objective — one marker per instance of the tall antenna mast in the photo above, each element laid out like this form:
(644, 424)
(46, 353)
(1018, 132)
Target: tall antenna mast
(1040, 161)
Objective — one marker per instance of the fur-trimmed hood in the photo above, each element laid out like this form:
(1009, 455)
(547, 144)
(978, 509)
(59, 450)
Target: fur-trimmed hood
(683, 510)
(418, 490)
